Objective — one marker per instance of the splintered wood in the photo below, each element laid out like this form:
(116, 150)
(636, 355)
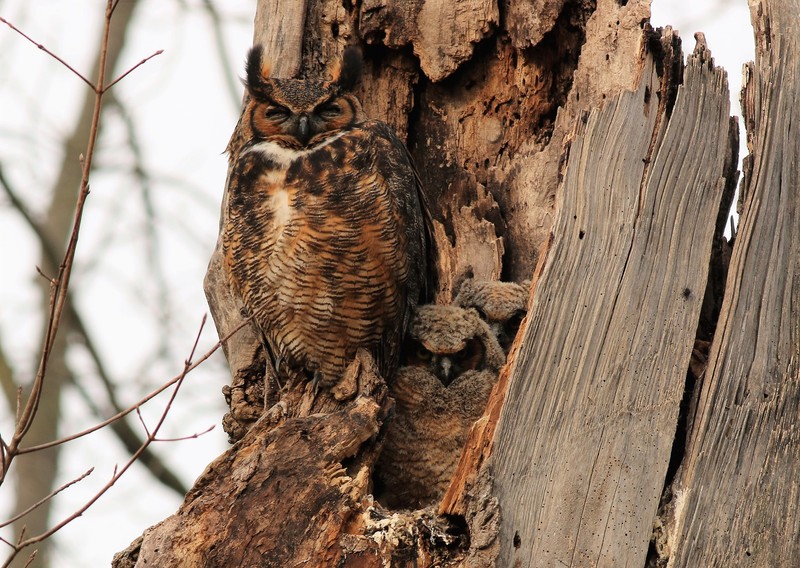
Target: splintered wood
(737, 501)
(600, 372)
(565, 143)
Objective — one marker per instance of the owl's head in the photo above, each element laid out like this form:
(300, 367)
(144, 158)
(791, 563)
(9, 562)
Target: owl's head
(449, 340)
(502, 305)
(297, 113)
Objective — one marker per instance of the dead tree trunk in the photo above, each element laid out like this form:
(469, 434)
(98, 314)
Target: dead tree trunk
(565, 142)
(736, 497)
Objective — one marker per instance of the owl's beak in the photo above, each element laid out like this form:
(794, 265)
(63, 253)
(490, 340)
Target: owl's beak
(303, 129)
(443, 367)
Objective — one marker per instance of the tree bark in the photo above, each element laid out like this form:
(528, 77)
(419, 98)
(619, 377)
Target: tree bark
(600, 374)
(735, 500)
(567, 142)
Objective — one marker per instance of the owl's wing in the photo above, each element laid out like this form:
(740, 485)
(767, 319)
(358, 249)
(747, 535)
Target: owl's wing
(404, 183)
(427, 242)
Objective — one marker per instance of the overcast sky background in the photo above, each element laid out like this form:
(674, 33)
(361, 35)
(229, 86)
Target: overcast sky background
(184, 114)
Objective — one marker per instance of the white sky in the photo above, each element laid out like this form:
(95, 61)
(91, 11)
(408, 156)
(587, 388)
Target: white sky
(184, 115)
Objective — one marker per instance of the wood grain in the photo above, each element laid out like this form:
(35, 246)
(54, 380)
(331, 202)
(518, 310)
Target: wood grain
(281, 495)
(599, 376)
(279, 26)
(737, 495)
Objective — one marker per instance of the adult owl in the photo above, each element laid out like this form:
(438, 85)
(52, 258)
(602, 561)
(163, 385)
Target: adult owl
(324, 237)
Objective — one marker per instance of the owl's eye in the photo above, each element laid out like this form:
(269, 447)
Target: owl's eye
(276, 113)
(422, 354)
(330, 110)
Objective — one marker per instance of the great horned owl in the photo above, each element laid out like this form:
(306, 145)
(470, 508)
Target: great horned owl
(448, 340)
(450, 363)
(324, 238)
(501, 304)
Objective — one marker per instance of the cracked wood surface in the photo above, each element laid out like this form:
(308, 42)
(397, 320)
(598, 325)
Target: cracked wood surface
(737, 494)
(599, 376)
(589, 418)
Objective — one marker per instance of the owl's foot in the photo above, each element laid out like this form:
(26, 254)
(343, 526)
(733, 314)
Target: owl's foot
(315, 382)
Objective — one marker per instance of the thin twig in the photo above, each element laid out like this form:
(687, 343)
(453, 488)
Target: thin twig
(189, 437)
(49, 496)
(141, 421)
(121, 428)
(36, 227)
(187, 367)
(129, 71)
(133, 407)
(60, 285)
(142, 401)
(48, 52)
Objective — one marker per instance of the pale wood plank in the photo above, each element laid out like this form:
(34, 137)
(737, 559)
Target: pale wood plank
(739, 491)
(585, 436)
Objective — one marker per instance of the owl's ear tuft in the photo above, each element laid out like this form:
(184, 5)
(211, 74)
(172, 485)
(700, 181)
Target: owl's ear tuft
(256, 69)
(350, 67)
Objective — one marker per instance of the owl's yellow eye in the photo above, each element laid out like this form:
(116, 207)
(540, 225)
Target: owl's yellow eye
(276, 113)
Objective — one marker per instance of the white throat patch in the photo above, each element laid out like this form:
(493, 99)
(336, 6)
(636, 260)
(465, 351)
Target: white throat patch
(285, 156)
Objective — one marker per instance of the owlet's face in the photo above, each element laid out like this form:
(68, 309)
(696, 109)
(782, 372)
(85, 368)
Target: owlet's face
(298, 113)
(448, 341)
(446, 366)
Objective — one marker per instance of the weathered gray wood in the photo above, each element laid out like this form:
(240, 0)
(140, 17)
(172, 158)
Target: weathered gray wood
(738, 494)
(279, 26)
(585, 435)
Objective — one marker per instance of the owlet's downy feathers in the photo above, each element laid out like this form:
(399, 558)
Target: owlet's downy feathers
(324, 238)
(450, 364)
(501, 304)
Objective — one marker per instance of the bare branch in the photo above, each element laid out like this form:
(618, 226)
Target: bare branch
(189, 437)
(150, 396)
(121, 428)
(142, 422)
(129, 71)
(187, 367)
(48, 52)
(49, 496)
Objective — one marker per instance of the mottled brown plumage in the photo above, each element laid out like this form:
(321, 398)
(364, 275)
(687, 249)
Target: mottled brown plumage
(435, 408)
(324, 239)
(501, 304)
(449, 340)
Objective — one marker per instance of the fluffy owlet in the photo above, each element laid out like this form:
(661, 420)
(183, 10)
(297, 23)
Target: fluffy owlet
(450, 364)
(325, 238)
(501, 304)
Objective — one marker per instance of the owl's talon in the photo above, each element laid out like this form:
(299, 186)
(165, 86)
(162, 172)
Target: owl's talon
(315, 382)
